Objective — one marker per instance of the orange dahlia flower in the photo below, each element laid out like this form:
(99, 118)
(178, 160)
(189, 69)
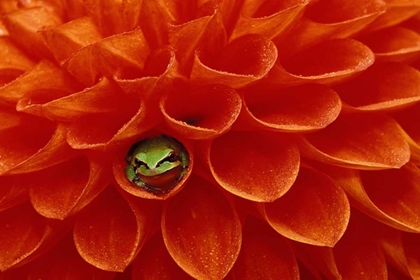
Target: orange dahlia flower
(210, 139)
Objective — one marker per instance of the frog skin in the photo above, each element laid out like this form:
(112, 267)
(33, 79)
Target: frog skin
(157, 164)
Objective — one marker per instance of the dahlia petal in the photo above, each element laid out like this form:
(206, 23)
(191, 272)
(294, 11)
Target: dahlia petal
(329, 62)
(70, 186)
(110, 231)
(365, 190)
(24, 26)
(13, 63)
(397, 44)
(101, 98)
(154, 262)
(44, 81)
(23, 226)
(298, 109)
(120, 164)
(243, 61)
(125, 15)
(264, 255)
(206, 32)
(396, 11)
(108, 57)
(382, 87)
(411, 245)
(12, 191)
(32, 147)
(358, 254)
(359, 141)
(314, 211)
(268, 18)
(408, 119)
(71, 37)
(204, 112)
(243, 162)
(63, 262)
(201, 217)
(327, 20)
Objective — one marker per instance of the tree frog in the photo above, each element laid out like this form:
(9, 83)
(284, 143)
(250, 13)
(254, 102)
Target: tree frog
(157, 164)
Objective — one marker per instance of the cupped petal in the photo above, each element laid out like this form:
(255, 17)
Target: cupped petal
(389, 196)
(397, 44)
(327, 20)
(298, 109)
(33, 146)
(314, 211)
(154, 262)
(70, 37)
(109, 233)
(13, 63)
(358, 253)
(329, 62)
(361, 141)
(268, 18)
(64, 189)
(201, 217)
(408, 119)
(256, 166)
(24, 26)
(243, 61)
(109, 56)
(203, 112)
(120, 163)
(382, 87)
(264, 254)
(397, 11)
(45, 81)
(13, 191)
(63, 262)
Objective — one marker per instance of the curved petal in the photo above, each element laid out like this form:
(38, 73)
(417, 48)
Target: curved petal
(71, 37)
(64, 189)
(13, 191)
(298, 109)
(201, 217)
(14, 62)
(204, 112)
(268, 18)
(314, 211)
(357, 254)
(110, 232)
(359, 141)
(120, 164)
(242, 62)
(32, 146)
(154, 262)
(264, 254)
(411, 246)
(45, 80)
(329, 62)
(256, 166)
(397, 44)
(23, 26)
(382, 87)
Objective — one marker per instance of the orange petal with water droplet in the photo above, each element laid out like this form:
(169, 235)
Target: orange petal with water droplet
(358, 254)
(201, 217)
(71, 37)
(109, 233)
(64, 189)
(329, 62)
(203, 112)
(314, 211)
(154, 262)
(264, 254)
(236, 159)
(359, 141)
(297, 109)
(242, 62)
(24, 26)
(382, 87)
(268, 18)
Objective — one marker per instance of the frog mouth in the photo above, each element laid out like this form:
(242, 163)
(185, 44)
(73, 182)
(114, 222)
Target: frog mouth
(168, 177)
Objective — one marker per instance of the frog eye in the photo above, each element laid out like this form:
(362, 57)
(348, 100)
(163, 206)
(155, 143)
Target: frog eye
(172, 157)
(140, 163)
